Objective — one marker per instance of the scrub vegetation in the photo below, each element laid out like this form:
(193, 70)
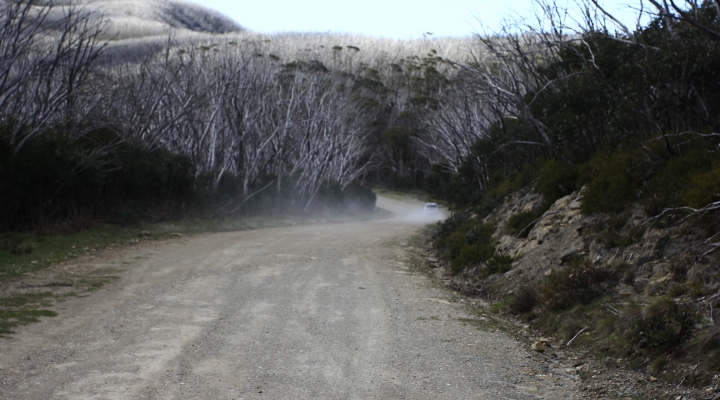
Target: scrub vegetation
(113, 114)
(624, 119)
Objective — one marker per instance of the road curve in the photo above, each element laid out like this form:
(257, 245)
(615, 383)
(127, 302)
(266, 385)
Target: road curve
(308, 312)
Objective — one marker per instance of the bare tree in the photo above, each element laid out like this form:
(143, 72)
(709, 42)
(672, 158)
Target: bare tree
(45, 63)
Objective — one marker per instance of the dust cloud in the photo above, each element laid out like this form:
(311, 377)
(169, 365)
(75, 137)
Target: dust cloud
(409, 211)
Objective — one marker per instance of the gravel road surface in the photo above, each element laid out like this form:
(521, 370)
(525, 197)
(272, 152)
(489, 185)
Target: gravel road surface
(307, 312)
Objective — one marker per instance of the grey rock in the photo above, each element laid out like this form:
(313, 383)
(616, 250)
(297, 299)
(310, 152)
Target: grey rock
(568, 254)
(661, 270)
(647, 258)
(659, 247)
(532, 205)
(656, 287)
(640, 283)
(697, 273)
(673, 248)
(575, 205)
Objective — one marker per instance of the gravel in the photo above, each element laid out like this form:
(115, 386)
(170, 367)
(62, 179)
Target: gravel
(325, 311)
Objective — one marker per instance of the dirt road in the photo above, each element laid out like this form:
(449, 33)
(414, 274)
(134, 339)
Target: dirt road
(325, 311)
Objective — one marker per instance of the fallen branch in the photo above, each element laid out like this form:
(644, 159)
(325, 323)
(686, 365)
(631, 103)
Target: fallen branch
(712, 322)
(612, 309)
(576, 335)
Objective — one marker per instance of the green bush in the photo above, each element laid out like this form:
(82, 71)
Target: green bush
(615, 238)
(354, 198)
(557, 179)
(580, 283)
(661, 325)
(17, 244)
(521, 223)
(612, 181)
(703, 189)
(658, 364)
(710, 346)
(471, 245)
(358, 197)
(502, 184)
(150, 180)
(468, 243)
(682, 181)
(448, 227)
(499, 263)
(51, 180)
(524, 300)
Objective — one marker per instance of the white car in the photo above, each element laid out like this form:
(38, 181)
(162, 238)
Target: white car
(431, 208)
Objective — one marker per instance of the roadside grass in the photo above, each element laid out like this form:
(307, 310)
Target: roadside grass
(23, 309)
(23, 254)
(485, 317)
(10, 319)
(416, 244)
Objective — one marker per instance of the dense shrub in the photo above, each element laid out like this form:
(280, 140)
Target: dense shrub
(677, 177)
(499, 263)
(709, 344)
(150, 179)
(449, 226)
(702, 189)
(503, 185)
(54, 180)
(358, 197)
(579, 283)
(524, 300)
(469, 243)
(661, 325)
(521, 223)
(557, 179)
(612, 181)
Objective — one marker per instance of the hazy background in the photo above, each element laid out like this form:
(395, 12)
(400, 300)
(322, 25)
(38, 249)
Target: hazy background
(402, 19)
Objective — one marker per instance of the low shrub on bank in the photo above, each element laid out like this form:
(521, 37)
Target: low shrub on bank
(612, 181)
(521, 224)
(659, 326)
(557, 179)
(579, 283)
(524, 300)
(469, 243)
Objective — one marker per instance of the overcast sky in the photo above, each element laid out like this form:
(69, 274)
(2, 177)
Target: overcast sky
(401, 19)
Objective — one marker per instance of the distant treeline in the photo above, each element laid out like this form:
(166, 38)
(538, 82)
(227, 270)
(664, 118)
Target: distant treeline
(240, 121)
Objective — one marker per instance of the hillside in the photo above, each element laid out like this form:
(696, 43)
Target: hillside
(127, 19)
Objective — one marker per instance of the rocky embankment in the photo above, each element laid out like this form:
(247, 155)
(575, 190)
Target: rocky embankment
(654, 262)
(647, 260)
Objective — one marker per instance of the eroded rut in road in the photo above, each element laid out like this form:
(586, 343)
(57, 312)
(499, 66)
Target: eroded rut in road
(327, 311)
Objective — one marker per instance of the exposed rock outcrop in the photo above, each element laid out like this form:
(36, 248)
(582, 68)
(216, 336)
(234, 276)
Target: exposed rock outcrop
(648, 260)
